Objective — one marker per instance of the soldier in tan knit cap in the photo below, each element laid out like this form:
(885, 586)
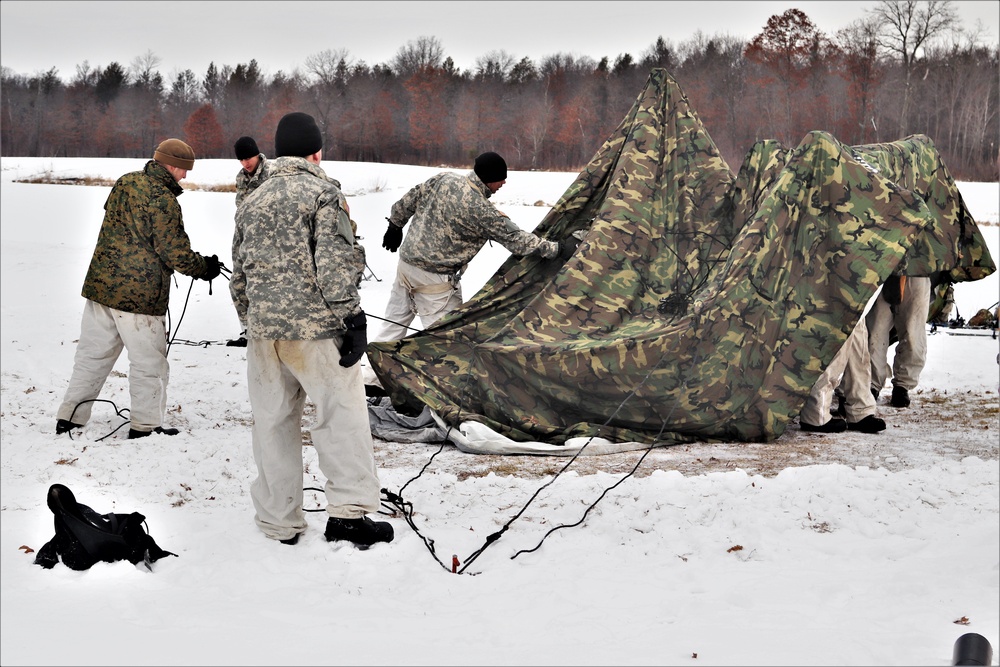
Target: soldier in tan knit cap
(141, 243)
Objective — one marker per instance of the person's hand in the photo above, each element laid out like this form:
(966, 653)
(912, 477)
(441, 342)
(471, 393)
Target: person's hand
(355, 339)
(393, 237)
(567, 247)
(212, 268)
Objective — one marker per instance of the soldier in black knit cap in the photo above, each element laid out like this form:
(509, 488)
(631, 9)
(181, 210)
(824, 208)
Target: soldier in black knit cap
(451, 219)
(253, 169)
(294, 285)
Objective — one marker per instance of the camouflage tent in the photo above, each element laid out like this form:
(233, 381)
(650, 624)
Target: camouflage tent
(699, 306)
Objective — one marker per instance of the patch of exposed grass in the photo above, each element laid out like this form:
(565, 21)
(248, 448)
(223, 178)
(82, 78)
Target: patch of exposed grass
(48, 178)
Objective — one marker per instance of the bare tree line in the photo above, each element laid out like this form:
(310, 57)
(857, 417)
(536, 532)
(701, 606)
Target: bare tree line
(906, 67)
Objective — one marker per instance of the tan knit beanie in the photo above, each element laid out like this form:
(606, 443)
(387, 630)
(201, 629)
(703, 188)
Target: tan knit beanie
(176, 153)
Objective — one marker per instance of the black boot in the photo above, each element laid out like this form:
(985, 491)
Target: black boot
(833, 426)
(133, 434)
(841, 409)
(870, 424)
(65, 426)
(900, 398)
(362, 532)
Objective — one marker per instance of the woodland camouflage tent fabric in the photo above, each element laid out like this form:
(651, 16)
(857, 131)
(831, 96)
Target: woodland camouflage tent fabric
(699, 306)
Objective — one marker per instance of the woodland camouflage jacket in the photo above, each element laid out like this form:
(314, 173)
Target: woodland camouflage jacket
(450, 220)
(295, 259)
(141, 243)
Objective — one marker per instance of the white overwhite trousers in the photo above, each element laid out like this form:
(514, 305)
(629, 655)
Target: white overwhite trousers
(851, 362)
(280, 375)
(103, 333)
(910, 320)
(416, 292)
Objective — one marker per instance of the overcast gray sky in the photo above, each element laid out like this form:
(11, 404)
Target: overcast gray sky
(36, 35)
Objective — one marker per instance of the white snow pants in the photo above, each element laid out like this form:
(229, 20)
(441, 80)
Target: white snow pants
(103, 333)
(280, 374)
(910, 320)
(852, 362)
(418, 292)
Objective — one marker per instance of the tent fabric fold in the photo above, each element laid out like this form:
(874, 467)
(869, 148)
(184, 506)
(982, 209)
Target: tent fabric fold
(699, 306)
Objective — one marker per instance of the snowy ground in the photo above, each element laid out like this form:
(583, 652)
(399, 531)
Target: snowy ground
(815, 549)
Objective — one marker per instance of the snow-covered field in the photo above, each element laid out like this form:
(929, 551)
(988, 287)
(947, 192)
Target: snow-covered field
(846, 549)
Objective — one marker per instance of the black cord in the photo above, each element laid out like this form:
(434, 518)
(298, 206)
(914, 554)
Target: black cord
(118, 411)
(223, 271)
(406, 508)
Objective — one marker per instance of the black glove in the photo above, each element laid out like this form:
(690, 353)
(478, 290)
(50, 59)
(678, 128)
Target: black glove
(567, 247)
(212, 268)
(355, 340)
(393, 237)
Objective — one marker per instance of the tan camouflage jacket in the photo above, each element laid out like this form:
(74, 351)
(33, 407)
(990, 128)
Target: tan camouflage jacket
(141, 243)
(246, 183)
(450, 221)
(295, 268)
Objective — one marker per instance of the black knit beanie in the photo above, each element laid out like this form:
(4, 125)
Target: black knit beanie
(245, 148)
(490, 168)
(297, 135)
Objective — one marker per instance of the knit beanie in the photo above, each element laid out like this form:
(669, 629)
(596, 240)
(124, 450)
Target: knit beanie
(297, 135)
(245, 147)
(175, 153)
(490, 168)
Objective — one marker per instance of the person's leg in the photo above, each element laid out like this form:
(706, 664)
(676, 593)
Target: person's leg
(398, 312)
(858, 400)
(276, 400)
(433, 307)
(879, 324)
(96, 354)
(341, 433)
(816, 411)
(434, 295)
(145, 338)
(911, 327)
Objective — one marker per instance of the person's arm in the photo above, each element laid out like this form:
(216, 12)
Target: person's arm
(170, 241)
(335, 256)
(238, 279)
(500, 228)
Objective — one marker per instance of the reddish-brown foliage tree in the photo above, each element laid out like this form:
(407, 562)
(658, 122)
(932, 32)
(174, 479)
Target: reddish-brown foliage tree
(787, 53)
(204, 133)
(428, 113)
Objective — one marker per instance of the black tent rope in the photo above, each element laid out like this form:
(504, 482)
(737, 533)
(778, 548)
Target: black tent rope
(672, 306)
(224, 270)
(496, 536)
(599, 498)
(118, 411)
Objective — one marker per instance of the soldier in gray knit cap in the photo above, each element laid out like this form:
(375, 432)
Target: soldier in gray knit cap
(294, 286)
(451, 219)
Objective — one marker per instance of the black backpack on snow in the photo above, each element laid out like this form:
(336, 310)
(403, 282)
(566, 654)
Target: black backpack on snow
(84, 537)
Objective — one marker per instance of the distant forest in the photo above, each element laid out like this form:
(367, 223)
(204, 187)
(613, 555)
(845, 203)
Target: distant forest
(907, 67)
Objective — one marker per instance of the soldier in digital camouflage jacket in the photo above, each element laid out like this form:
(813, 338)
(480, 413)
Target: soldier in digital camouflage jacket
(294, 286)
(294, 277)
(247, 182)
(450, 219)
(253, 170)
